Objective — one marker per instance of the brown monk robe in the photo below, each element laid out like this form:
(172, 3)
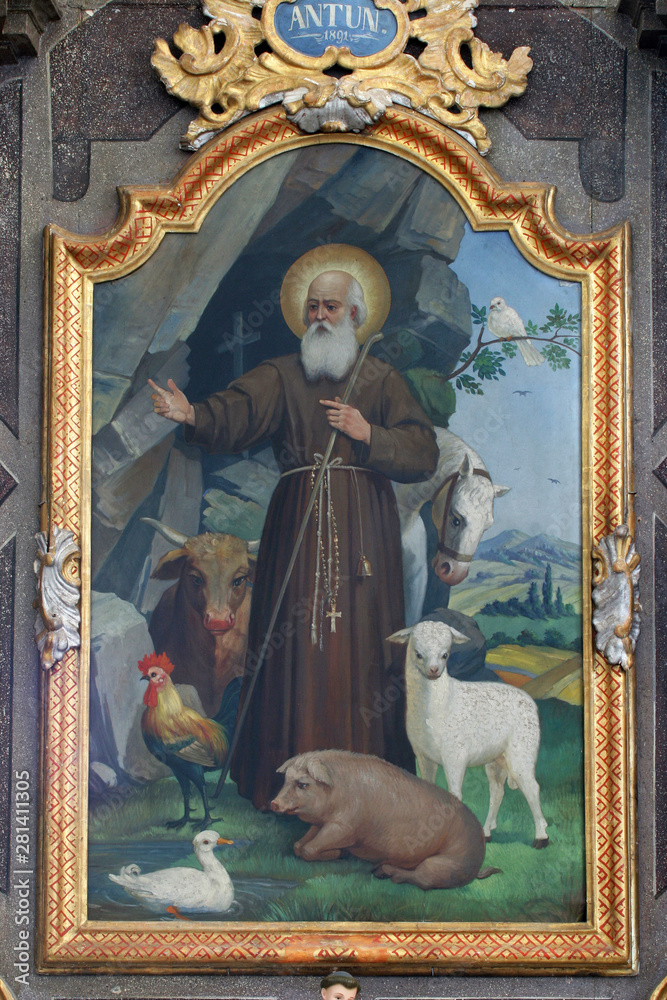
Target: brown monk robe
(329, 681)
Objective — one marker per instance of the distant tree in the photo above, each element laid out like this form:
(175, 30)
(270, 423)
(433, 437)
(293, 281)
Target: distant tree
(510, 608)
(527, 638)
(499, 639)
(548, 593)
(514, 607)
(531, 574)
(559, 609)
(553, 637)
(533, 604)
(533, 607)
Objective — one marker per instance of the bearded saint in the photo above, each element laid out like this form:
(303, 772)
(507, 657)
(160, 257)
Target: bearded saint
(330, 681)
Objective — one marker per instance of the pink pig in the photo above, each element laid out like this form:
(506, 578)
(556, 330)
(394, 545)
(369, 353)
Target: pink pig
(361, 805)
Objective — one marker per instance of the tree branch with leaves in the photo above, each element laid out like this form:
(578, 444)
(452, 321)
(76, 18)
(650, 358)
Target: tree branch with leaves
(560, 334)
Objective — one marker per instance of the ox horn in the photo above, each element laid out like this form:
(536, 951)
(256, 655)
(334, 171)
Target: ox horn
(253, 547)
(172, 536)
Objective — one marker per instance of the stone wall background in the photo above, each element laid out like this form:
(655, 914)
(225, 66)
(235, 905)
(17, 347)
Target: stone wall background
(88, 114)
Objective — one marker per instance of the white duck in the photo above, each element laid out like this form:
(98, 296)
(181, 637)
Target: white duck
(180, 891)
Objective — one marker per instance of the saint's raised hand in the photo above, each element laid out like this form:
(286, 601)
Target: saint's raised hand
(172, 403)
(348, 420)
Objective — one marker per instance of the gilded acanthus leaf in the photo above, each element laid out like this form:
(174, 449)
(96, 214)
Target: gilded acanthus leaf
(439, 83)
(270, 78)
(201, 76)
(491, 80)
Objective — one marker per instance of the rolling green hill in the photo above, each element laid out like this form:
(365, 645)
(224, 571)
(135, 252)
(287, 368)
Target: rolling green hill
(505, 566)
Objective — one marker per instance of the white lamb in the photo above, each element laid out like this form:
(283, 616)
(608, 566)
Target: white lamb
(461, 724)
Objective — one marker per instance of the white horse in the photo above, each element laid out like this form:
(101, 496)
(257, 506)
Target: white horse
(462, 495)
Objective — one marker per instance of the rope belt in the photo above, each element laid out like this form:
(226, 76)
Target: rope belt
(335, 463)
(327, 570)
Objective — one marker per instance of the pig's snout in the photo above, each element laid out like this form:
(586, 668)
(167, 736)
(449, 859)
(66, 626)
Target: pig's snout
(283, 804)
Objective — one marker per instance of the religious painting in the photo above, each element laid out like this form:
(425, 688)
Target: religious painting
(341, 470)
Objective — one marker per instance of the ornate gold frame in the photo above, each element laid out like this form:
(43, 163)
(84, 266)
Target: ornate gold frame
(607, 942)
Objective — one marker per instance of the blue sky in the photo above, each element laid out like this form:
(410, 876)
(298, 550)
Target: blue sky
(524, 440)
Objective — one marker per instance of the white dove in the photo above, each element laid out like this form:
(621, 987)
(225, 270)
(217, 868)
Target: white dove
(505, 323)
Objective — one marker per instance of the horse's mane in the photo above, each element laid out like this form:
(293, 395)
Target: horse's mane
(453, 449)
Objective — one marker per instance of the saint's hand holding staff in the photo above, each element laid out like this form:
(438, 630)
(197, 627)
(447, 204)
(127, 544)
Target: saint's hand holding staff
(328, 670)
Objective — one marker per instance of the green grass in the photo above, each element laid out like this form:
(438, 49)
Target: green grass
(546, 885)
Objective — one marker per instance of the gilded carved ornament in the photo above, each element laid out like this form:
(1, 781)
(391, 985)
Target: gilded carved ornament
(365, 38)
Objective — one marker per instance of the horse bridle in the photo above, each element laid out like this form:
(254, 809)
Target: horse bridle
(450, 485)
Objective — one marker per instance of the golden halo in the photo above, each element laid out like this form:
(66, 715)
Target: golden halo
(336, 257)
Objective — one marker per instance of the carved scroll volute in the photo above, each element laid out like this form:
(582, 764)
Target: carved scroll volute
(58, 588)
(616, 597)
(238, 80)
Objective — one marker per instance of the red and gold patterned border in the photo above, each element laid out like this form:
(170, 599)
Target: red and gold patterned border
(607, 941)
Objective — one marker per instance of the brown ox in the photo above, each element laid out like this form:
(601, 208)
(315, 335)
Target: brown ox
(201, 622)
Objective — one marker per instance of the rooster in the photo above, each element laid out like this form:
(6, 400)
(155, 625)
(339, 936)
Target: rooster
(181, 738)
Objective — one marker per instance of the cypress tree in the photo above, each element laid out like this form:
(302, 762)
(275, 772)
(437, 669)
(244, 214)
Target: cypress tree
(534, 608)
(560, 607)
(548, 593)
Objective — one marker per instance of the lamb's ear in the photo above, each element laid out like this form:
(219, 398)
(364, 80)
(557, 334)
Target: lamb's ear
(319, 771)
(457, 636)
(283, 767)
(500, 491)
(402, 636)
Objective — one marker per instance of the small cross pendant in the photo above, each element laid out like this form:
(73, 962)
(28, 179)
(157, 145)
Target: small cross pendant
(333, 615)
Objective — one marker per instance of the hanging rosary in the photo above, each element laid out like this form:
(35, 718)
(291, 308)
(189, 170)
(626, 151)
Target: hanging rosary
(327, 570)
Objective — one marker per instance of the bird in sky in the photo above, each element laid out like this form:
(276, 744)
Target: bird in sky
(522, 392)
(553, 480)
(506, 324)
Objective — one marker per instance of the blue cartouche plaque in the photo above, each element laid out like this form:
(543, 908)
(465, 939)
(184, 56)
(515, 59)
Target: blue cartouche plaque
(355, 24)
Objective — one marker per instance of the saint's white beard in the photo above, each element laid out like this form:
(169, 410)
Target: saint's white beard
(330, 354)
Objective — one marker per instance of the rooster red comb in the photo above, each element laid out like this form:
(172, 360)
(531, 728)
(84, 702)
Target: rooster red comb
(155, 660)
